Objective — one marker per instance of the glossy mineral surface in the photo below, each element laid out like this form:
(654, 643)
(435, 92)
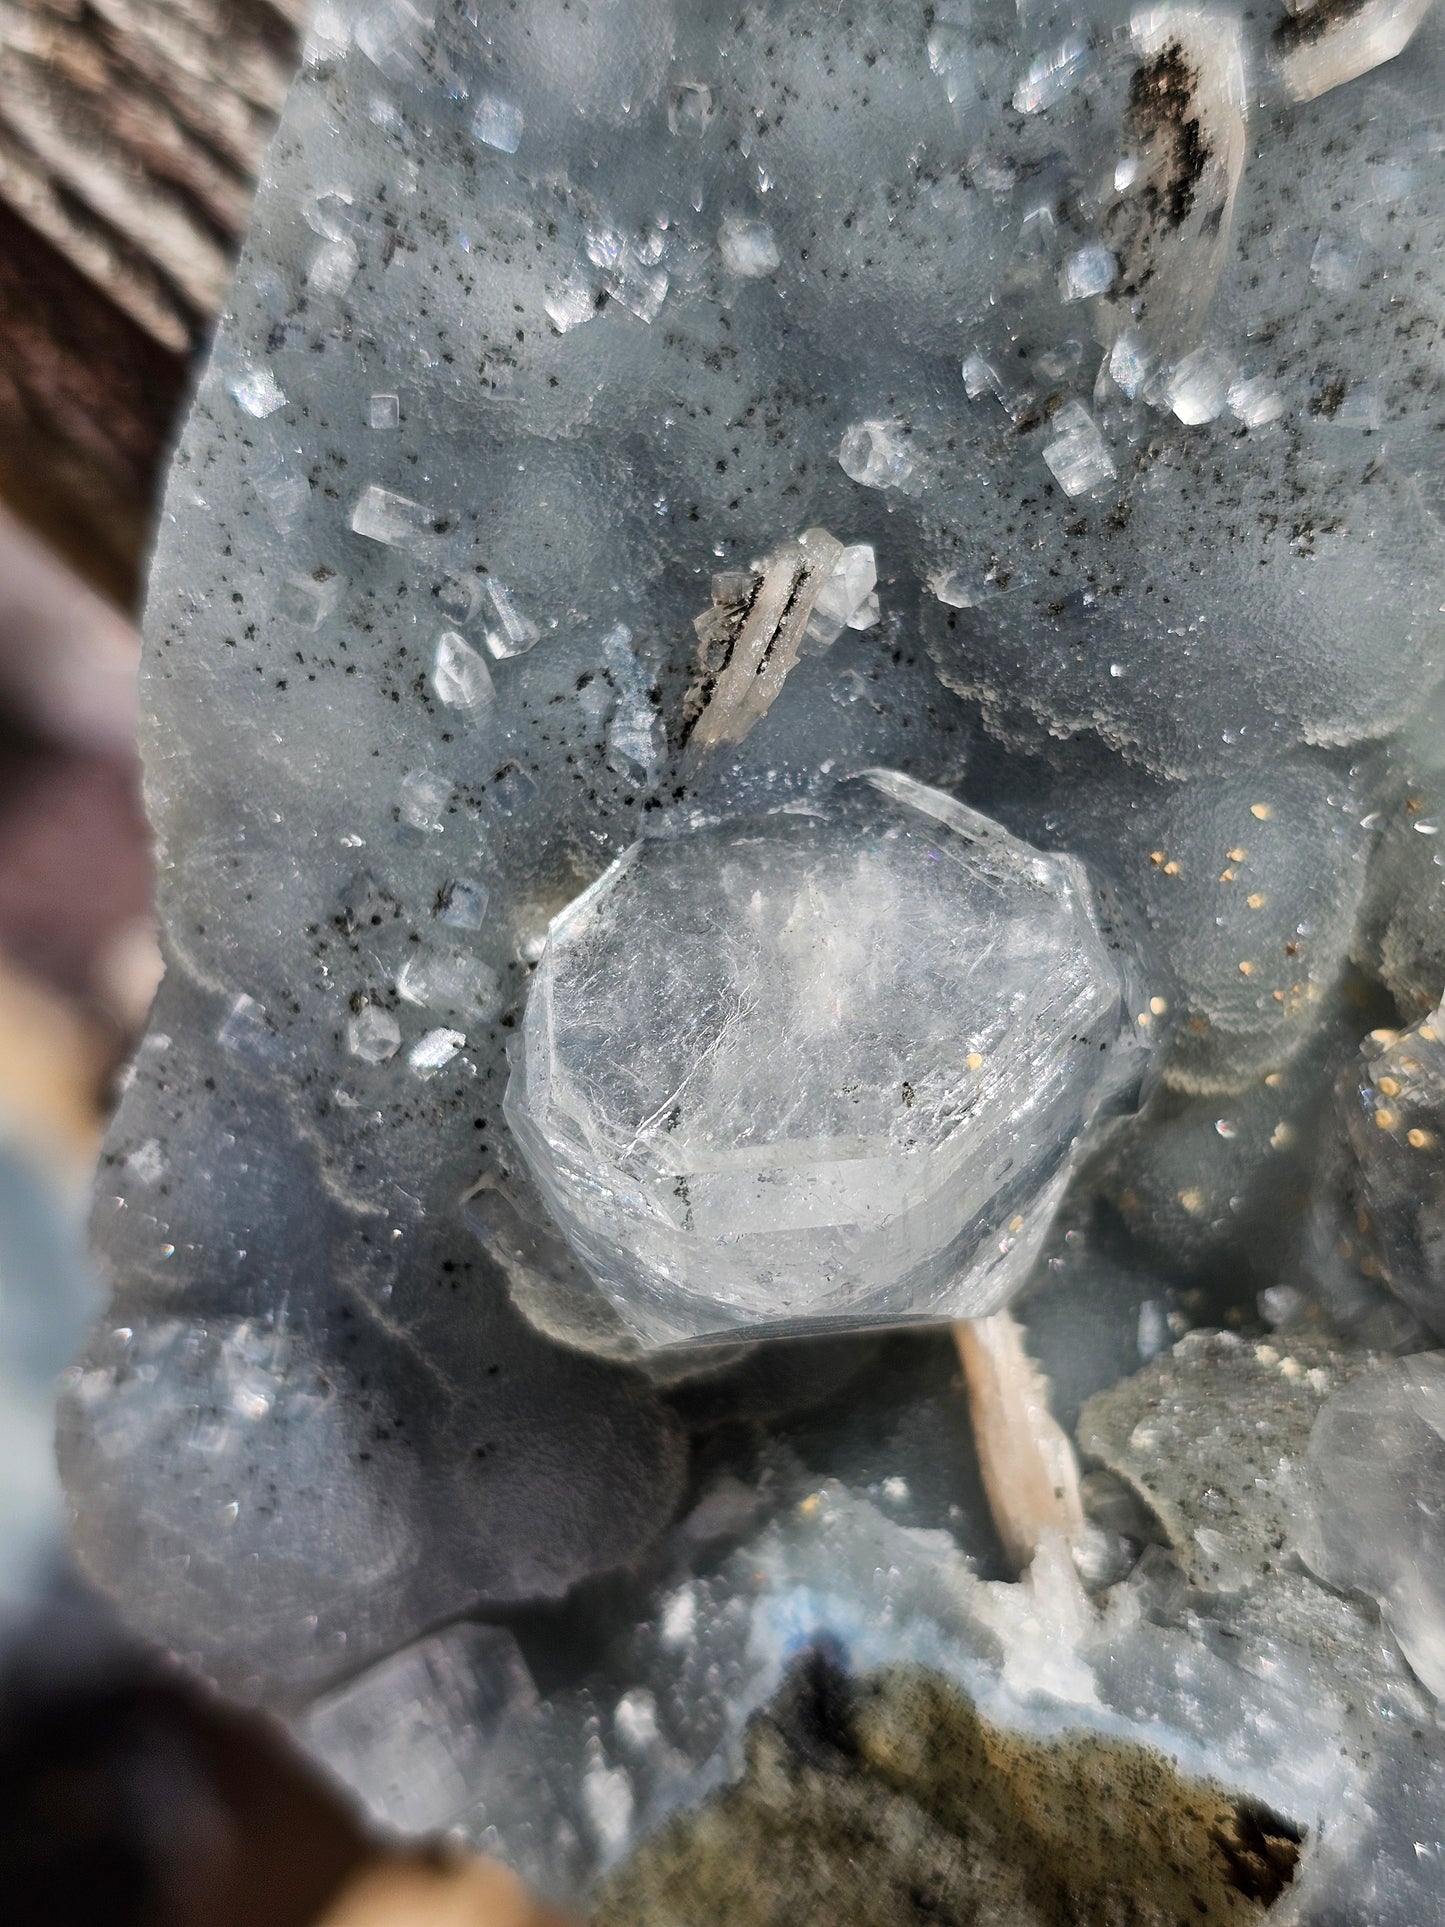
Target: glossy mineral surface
(821, 1068)
(655, 414)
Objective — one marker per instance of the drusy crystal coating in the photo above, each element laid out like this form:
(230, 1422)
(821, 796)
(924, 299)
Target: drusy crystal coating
(633, 421)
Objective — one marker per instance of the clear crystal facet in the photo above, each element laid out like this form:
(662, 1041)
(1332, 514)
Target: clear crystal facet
(384, 516)
(415, 1738)
(373, 1034)
(875, 453)
(1077, 456)
(460, 678)
(1376, 1460)
(498, 123)
(748, 248)
(847, 1083)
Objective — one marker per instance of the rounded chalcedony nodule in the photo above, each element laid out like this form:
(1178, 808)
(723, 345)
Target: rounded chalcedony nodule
(822, 1068)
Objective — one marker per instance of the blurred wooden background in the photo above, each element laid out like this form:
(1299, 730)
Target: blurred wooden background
(131, 132)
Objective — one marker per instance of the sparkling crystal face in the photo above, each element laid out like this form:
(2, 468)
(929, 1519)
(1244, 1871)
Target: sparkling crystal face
(817, 1068)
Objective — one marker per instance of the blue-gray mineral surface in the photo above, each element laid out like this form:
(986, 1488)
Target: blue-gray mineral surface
(793, 688)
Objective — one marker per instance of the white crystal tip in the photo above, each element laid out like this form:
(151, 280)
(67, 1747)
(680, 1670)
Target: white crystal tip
(819, 1070)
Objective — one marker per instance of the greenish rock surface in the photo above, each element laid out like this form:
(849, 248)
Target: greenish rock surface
(891, 1799)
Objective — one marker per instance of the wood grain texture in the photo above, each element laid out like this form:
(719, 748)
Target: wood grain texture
(131, 132)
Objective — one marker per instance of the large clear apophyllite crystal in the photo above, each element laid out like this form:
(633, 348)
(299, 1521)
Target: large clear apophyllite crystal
(822, 1067)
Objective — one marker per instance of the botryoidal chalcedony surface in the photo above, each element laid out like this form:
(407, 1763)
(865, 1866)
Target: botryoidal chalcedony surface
(638, 422)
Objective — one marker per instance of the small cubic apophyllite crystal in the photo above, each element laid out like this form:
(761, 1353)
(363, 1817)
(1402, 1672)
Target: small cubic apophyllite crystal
(822, 1068)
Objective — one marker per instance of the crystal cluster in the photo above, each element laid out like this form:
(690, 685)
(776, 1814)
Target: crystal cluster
(848, 1087)
(633, 424)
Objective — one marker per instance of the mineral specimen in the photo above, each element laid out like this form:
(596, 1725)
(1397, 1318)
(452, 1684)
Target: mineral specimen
(893, 1785)
(1376, 1462)
(1046, 402)
(419, 1736)
(1214, 1650)
(846, 1086)
(1318, 50)
(759, 622)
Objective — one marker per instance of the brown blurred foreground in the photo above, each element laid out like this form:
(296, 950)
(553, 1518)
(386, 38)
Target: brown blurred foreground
(78, 963)
(436, 1893)
(130, 136)
(130, 1799)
